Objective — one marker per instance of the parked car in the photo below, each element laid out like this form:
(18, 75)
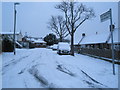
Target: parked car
(63, 48)
(55, 47)
(49, 47)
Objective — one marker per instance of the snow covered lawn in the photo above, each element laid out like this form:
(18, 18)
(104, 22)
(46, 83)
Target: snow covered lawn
(44, 68)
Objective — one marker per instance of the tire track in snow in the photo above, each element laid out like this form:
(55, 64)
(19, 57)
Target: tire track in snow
(30, 64)
(25, 84)
(89, 80)
(93, 82)
(15, 61)
(12, 64)
(42, 80)
(65, 70)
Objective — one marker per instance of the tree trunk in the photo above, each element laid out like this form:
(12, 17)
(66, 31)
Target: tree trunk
(72, 31)
(72, 44)
(61, 39)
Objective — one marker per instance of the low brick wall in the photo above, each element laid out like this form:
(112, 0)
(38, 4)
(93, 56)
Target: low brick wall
(107, 53)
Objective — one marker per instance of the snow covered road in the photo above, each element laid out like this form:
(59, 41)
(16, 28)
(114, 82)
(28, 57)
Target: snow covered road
(44, 68)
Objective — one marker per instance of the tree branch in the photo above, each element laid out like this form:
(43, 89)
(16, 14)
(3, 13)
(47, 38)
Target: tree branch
(80, 24)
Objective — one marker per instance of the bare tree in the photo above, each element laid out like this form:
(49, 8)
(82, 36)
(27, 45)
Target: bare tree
(57, 25)
(75, 15)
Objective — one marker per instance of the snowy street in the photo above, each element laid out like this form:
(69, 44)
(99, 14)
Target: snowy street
(44, 68)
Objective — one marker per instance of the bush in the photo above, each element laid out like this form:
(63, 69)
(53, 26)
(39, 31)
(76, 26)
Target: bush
(50, 39)
(7, 45)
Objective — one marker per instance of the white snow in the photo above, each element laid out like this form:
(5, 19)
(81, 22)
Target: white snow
(44, 68)
(97, 38)
(101, 38)
(9, 32)
(18, 44)
(39, 41)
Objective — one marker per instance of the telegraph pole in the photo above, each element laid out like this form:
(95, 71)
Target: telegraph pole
(105, 16)
(15, 26)
(112, 44)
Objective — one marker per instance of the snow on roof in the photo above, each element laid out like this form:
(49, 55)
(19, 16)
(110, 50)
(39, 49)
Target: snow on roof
(115, 36)
(63, 43)
(9, 32)
(39, 41)
(101, 38)
(94, 39)
(35, 41)
(18, 44)
(30, 39)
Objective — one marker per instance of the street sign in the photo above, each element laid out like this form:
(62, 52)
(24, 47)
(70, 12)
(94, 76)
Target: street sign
(105, 16)
(112, 27)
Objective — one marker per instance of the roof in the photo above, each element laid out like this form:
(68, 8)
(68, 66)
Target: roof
(94, 39)
(101, 38)
(9, 33)
(39, 41)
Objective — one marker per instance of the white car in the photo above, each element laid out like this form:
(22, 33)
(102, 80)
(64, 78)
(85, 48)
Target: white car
(49, 47)
(55, 47)
(63, 48)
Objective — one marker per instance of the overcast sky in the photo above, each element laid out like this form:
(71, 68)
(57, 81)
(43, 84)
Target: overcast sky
(33, 17)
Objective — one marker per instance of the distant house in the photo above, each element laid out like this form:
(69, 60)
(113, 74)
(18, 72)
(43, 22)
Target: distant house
(18, 35)
(27, 42)
(30, 42)
(39, 43)
(99, 44)
(10, 35)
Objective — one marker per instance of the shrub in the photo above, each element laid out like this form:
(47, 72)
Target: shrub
(7, 45)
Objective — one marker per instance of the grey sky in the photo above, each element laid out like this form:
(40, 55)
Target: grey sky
(33, 17)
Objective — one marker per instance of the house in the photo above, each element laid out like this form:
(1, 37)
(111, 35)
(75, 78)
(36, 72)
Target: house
(27, 42)
(116, 39)
(31, 42)
(99, 45)
(18, 35)
(39, 43)
(95, 41)
(9, 36)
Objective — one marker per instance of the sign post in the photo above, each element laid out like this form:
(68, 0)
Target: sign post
(105, 16)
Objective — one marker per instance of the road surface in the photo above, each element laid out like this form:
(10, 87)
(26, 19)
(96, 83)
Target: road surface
(44, 68)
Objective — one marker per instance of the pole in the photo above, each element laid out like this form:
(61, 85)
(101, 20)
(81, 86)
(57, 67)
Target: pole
(14, 27)
(112, 44)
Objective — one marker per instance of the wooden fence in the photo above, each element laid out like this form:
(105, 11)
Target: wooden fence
(107, 53)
